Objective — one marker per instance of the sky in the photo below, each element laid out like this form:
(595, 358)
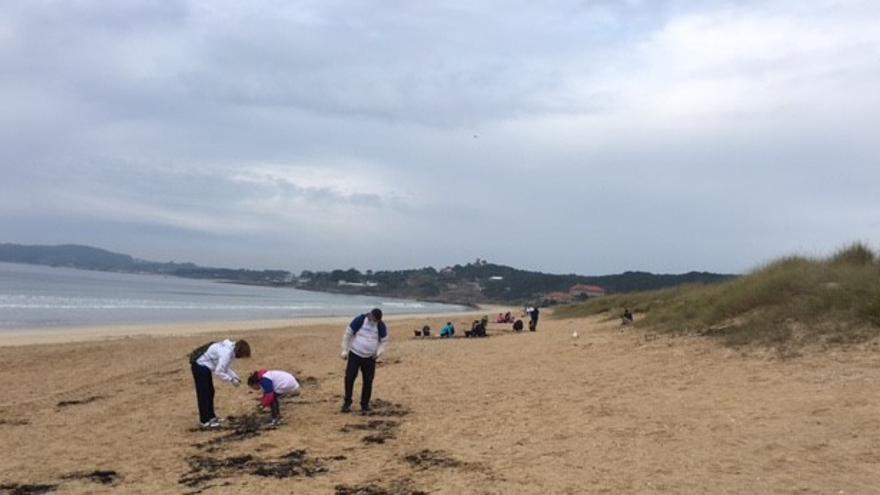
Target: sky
(588, 137)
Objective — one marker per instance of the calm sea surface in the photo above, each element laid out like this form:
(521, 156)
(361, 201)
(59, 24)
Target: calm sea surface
(34, 296)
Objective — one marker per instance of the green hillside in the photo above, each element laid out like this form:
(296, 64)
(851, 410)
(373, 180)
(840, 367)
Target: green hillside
(484, 282)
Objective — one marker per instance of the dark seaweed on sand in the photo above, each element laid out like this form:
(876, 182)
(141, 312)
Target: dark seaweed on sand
(66, 403)
(295, 463)
(16, 489)
(242, 428)
(384, 408)
(382, 430)
(14, 422)
(102, 477)
(427, 459)
(397, 488)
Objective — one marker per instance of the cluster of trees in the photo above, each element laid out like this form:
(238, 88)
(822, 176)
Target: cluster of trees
(488, 282)
(419, 283)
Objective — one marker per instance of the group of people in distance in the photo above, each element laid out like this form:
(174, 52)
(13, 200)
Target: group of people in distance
(504, 318)
(364, 341)
(479, 327)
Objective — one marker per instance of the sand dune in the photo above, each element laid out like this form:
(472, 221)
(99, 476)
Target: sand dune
(608, 412)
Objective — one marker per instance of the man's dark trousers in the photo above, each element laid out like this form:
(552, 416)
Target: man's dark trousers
(367, 367)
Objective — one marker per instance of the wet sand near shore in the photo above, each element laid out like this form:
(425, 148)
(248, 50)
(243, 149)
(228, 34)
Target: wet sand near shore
(608, 412)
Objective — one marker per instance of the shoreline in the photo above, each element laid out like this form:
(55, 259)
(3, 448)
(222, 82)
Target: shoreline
(97, 333)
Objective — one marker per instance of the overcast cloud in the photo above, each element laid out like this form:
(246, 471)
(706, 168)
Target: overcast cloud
(590, 137)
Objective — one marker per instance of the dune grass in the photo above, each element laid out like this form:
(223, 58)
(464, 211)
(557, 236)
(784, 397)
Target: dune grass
(789, 302)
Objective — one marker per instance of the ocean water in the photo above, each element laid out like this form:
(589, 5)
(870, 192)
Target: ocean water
(33, 296)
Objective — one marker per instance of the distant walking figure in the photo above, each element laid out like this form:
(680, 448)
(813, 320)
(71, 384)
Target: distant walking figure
(533, 319)
(364, 341)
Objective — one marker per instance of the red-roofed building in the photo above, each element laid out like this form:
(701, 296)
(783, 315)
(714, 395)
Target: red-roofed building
(560, 297)
(586, 291)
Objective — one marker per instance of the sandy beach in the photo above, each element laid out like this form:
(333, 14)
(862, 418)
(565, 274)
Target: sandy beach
(543, 412)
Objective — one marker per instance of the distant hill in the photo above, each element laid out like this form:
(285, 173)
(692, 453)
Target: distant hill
(91, 258)
(70, 255)
(469, 284)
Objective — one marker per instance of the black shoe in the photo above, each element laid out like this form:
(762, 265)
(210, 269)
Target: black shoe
(346, 408)
(365, 411)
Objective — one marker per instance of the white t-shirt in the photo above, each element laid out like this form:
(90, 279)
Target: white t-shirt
(366, 341)
(282, 382)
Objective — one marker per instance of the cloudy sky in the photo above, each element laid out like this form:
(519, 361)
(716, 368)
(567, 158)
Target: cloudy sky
(565, 136)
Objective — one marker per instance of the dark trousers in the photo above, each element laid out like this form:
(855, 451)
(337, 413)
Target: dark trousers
(204, 391)
(276, 409)
(367, 367)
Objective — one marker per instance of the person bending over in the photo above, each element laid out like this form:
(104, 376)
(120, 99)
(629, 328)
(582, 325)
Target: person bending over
(214, 358)
(274, 384)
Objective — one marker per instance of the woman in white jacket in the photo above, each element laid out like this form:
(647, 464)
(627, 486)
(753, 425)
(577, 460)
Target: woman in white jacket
(214, 358)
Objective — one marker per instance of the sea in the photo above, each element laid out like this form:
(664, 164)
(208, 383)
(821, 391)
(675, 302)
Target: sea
(35, 297)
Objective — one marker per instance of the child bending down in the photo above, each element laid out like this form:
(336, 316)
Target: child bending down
(274, 384)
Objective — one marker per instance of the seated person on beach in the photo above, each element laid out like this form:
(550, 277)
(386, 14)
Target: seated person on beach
(478, 329)
(470, 333)
(508, 318)
(426, 331)
(481, 330)
(499, 318)
(627, 317)
(448, 330)
(274, 384)
(518, 326)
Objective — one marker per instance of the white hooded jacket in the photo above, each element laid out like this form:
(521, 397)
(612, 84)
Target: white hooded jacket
(218, 358)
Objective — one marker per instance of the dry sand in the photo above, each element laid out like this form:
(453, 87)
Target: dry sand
(608, 412)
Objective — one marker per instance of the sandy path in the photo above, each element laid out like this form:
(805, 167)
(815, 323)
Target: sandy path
(523, 413)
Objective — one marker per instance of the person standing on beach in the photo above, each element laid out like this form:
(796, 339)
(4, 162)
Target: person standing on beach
(214, 358)
(364, 341)
(533, 319)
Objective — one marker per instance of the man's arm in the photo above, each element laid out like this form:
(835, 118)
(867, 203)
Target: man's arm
(383, 346)
(346, 342)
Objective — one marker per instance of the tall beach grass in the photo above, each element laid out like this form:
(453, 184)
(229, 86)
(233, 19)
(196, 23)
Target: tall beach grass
(791, 301)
